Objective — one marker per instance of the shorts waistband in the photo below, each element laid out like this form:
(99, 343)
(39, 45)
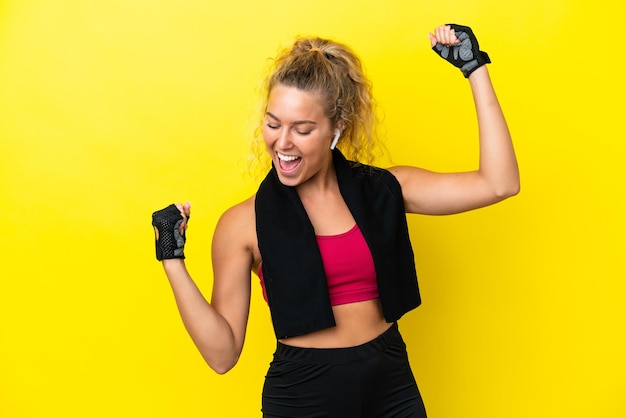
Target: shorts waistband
(340, 355)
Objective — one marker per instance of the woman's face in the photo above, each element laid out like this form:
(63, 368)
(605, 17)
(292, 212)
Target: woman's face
(297, 134)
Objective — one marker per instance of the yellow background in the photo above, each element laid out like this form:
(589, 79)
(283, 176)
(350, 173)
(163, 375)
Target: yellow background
(112, 109)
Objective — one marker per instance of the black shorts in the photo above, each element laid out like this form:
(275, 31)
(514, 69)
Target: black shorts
(371, 380)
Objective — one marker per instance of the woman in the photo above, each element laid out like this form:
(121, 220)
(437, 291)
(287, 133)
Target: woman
(328, 237)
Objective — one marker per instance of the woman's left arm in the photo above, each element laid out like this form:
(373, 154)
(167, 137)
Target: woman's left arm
(497, 176)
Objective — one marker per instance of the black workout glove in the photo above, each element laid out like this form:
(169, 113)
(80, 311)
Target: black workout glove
(467, 55)
(168, 240)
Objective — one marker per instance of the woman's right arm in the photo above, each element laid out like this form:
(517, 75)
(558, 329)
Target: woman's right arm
(218, 328)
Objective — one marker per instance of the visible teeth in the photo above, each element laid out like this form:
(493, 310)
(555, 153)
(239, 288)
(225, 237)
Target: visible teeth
(287, 157)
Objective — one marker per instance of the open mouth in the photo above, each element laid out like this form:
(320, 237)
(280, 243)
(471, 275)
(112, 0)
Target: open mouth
(288, 163)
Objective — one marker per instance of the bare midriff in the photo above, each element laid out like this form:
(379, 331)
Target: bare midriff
(357, 323)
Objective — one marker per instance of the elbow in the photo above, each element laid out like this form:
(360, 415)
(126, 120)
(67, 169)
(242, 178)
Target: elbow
(221, 358)
(222, 367)
(222, 370)
(509, 190)
(504, 184)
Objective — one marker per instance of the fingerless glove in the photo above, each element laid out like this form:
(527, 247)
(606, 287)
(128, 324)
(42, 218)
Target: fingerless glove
(466, 55)
(169, 242)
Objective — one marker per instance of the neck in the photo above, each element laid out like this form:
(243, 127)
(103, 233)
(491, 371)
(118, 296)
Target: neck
(323, 182)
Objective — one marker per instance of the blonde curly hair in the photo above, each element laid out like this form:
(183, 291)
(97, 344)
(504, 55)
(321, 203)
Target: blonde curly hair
(334, 72)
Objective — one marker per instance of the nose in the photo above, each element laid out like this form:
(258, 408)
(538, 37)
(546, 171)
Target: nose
(283, 141)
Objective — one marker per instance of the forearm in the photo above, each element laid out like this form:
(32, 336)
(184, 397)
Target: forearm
(498, 164)
(209, 331)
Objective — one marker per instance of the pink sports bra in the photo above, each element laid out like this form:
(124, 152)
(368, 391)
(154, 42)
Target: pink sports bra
(348, 265)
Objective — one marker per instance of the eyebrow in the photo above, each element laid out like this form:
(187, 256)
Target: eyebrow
(298, 122)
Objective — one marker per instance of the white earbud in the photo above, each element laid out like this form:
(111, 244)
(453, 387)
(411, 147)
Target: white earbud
(335, 139)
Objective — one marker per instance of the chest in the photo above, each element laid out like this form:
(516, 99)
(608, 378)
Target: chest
(328, 213)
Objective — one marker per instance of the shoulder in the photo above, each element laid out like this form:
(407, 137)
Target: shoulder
(407, 175)
(237, 227)
(377, 176)
(242, 212)
(371, 173)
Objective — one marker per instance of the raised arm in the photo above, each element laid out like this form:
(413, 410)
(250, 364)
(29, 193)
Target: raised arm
(497, 176)
(218, 328)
